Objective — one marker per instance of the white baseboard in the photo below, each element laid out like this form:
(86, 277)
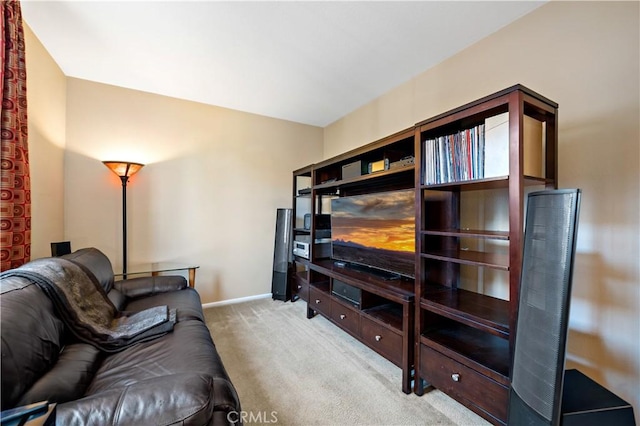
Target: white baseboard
(233, 301)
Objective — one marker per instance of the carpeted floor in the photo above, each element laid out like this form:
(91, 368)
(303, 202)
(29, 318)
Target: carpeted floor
(289, 370)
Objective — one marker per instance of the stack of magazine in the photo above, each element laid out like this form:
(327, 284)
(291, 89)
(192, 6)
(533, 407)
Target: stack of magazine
(456, 157)
(481, 152)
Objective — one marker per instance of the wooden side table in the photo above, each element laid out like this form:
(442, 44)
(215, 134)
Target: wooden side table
(156, 268)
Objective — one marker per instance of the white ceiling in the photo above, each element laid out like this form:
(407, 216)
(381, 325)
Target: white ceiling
(309, 62)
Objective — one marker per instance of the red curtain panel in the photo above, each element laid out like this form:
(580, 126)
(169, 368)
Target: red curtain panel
(15, 194)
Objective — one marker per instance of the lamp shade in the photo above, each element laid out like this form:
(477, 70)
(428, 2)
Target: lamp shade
(123, 168)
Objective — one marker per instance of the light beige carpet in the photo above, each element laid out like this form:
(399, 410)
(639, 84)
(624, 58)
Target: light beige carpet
(289, 370)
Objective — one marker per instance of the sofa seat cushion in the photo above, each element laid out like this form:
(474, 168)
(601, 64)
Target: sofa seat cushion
(187, 350)
(169, 399)
(69, 377)
(186, 302)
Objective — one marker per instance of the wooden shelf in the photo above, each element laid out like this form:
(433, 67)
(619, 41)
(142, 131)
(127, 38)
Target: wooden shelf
(484, 107)
(301, 260)
(301, 276)
(376, 178)
(322, 286)
(486, 313)
(396, 290)
(487, 183)
(402, 138)
(483, 352)
(468, 233)
(387, 314)
(470, 257)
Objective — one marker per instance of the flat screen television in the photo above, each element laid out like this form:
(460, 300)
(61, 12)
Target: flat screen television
(375, 230)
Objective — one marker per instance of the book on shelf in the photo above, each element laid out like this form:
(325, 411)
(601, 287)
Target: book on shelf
(482, 152)
(455, 157)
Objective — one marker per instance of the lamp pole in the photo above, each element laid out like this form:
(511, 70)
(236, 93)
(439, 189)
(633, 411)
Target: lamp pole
(124, 180)
(124, 170)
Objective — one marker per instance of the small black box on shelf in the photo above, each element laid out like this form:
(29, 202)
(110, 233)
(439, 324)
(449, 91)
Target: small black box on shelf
(323, 221)
(322, 249)
(323, 233)
(347, 292)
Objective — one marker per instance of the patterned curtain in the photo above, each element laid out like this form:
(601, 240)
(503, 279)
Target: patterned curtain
(15, 187)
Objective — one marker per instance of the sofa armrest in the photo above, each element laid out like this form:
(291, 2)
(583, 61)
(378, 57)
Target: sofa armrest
(178, 399)
(148, 286)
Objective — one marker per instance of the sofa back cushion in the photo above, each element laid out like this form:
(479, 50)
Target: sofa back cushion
(32, 336)
(95, 262)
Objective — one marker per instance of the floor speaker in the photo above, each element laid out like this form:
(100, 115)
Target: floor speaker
(543, 314)
(282, 256)
(542, 392)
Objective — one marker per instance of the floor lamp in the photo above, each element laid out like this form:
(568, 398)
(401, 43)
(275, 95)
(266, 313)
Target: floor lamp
(124, 170)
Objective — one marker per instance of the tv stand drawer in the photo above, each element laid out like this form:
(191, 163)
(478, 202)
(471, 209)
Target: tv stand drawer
(382, 340)
(476, 391)
(319, 301)
(345, 317)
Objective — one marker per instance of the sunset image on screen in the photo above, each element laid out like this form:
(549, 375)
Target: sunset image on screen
(384, 222)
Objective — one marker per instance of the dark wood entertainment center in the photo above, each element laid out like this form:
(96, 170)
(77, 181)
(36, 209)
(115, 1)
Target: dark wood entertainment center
(453, 327)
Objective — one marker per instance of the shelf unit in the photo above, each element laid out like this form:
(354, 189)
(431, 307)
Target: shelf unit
(464, 333)
(384, 318)
(453, 326)
(302, 205)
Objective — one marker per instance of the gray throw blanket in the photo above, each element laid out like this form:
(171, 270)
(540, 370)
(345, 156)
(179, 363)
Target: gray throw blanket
(86, 310)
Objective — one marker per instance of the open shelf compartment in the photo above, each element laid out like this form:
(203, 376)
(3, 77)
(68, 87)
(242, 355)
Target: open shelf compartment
(476, 310)
(470, 257)
(483, 352)
(388, 314)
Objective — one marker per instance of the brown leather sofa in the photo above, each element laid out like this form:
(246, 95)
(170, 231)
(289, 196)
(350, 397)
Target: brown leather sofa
(177, 378)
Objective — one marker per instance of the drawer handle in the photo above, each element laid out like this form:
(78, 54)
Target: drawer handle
(318, 301)
(378, 338)
(342, 316)
(455, 377)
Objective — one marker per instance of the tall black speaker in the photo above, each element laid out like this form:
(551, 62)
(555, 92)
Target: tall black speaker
(542, 391)
(282, 256)
(543, 311)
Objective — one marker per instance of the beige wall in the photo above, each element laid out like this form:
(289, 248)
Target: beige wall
(585, 56)
(46, 103)
(214, 177)
(208, 194)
